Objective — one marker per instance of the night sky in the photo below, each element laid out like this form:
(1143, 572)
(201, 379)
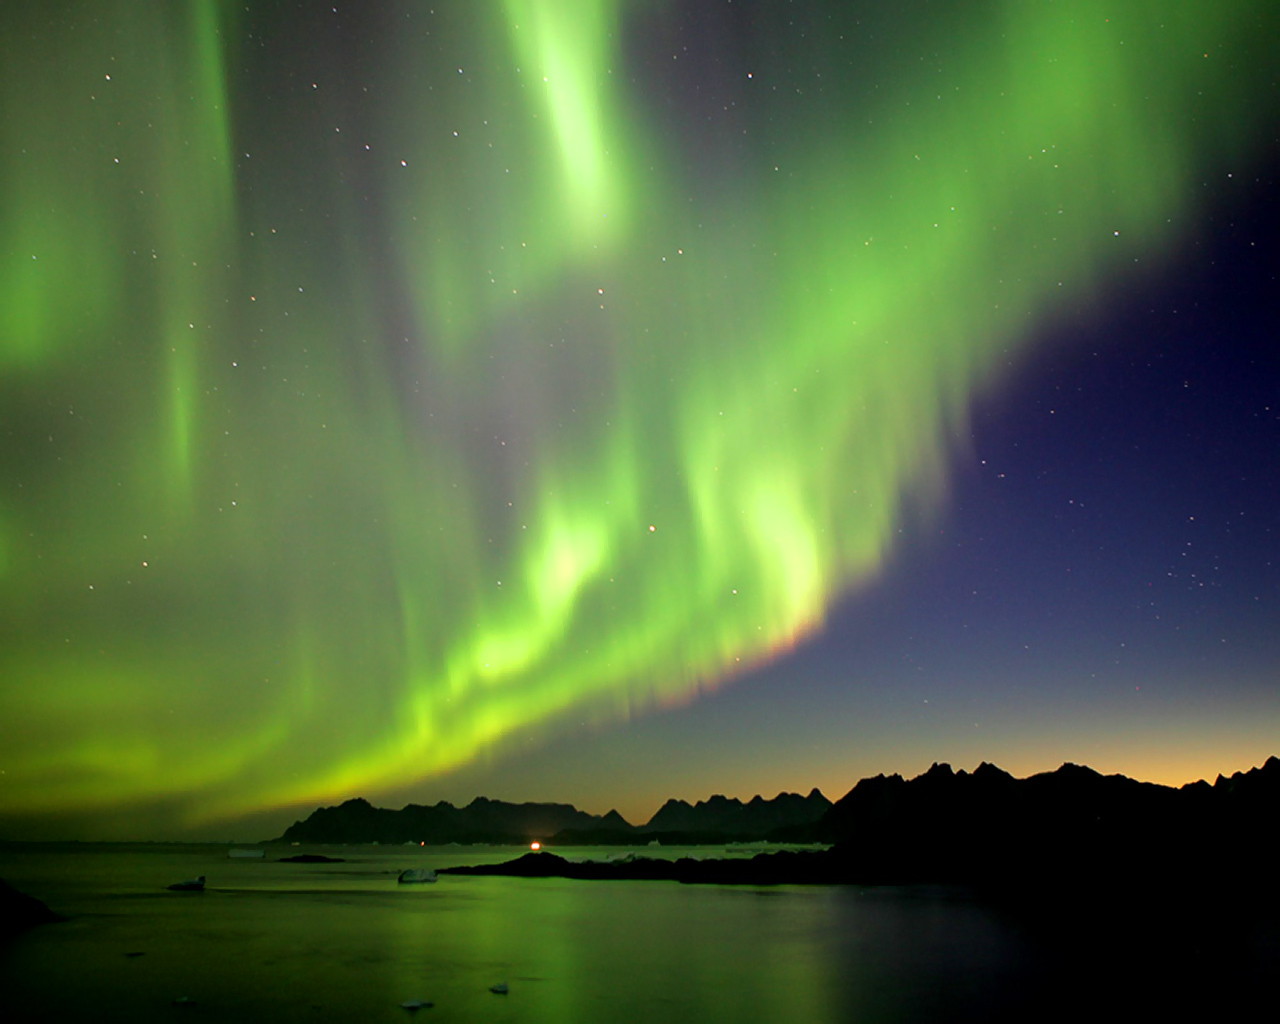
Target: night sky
(602, 401)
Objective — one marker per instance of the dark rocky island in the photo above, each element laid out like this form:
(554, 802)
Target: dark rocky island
(18, 911)
(312, 858)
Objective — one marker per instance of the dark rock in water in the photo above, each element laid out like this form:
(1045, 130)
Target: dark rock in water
(784, 867)
(312, 858)
(18, 911)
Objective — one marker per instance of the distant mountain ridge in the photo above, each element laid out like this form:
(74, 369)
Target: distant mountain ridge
(943, 823)
(717, 819)
(946, 825)
(989, 799)
(758, 817)
(481, 821)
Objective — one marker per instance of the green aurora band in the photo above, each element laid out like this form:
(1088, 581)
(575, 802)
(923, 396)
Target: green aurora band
(346, 439)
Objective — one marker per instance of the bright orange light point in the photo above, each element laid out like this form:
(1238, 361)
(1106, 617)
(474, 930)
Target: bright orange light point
(535, 846)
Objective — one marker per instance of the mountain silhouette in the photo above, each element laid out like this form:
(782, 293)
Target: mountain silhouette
(716, 820)
(757, 818)
(481, 821)
(1067, 835)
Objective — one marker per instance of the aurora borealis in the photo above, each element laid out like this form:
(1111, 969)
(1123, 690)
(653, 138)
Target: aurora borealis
(385, 389)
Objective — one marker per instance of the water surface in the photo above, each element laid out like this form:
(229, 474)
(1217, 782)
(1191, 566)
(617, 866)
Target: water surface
(345, 942)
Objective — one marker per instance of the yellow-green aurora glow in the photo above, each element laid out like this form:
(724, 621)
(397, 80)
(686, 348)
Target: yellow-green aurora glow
(360, 418)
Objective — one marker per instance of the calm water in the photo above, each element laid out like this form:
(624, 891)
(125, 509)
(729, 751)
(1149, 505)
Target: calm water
(345, 942)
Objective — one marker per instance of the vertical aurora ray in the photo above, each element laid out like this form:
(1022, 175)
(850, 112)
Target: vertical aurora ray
(467, 401)
(195, 215)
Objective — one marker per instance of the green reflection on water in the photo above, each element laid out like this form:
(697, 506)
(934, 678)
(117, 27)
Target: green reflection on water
(342, 942)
